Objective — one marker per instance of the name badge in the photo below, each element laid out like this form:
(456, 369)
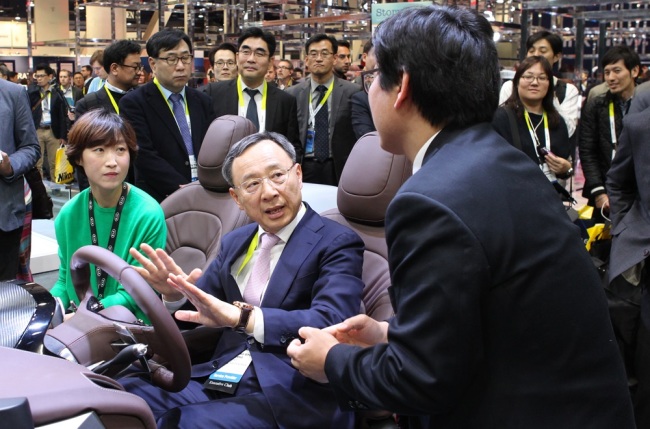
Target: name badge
(194, 167)
(309, 141)
(227, 378)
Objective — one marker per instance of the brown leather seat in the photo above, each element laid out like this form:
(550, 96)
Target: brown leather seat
(370, 179)
(199, 214)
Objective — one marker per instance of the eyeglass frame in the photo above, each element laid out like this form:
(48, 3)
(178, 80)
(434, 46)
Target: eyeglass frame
(373, 73)
(229, 63)
(268, 179)
(188, 57)
(324, 54)
(39, 76)
(530, 78)
(284, 68)
(138, 68)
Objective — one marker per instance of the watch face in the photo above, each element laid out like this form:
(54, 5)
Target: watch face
(243, 305)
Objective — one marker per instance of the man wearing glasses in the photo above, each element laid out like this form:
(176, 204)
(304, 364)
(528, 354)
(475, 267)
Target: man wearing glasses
(123, 66)
(284, 72)
(97, 64)
(223, 62)
(324, 115)
(169, 118)
(250, 96)
(290, 267)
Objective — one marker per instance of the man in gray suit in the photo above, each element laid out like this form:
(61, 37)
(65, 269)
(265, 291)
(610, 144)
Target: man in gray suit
(324, 116)
(19, 152)
(641, 99)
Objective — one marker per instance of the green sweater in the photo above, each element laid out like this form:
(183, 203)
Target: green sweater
(142, 221)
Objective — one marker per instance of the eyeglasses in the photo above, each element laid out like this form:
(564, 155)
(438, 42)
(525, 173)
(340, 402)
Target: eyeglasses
(228, 64)
(172, 60)
(367, 77)
(276, 178)
(322, 54)
(284, 68)
(529, 78)
(259, 53)
(40, 76)
(136, 67)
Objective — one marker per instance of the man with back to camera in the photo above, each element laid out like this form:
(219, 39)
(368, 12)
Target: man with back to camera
(567, 97)
(170, 119)
(312, 276)
(123, 67)
(602, 122)
(324, 122)
(19, 152)
(269, 108)
(499, 323)
(224, 62)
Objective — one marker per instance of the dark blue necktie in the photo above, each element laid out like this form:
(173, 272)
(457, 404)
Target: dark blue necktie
(251, 112)
(181, 120)
(321, 128)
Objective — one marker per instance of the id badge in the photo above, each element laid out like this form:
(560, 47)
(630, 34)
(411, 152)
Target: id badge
(548, 173)
(309, 142)
(227, 378)
(194, 167)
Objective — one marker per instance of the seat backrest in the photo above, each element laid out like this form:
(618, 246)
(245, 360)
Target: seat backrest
(199, 214)
(369, 181)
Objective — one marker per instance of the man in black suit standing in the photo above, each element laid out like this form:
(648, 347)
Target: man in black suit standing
(324, 116)
(169, 118)
(270, 108)
(498, 323)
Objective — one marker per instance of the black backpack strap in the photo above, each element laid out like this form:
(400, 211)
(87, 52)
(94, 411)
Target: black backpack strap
(514, 129)
(560, 91)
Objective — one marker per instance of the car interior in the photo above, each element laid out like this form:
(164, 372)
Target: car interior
(79, 360)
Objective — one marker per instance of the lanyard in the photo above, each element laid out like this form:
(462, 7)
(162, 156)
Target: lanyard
(249, 253)
(612, 127)
(49, 98)
(312, 112)
(187, 110)
(240, 95)
(533, 133)
(101, 274)
(110, 96)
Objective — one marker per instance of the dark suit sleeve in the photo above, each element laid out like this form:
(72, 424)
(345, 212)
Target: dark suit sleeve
(641, 99)
(621, 179)
(589, 147)
(149, 165)
(361, 116)
(439, 272)
(293, 135)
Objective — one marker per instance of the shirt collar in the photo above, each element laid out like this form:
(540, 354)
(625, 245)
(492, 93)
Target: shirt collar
(114, 89)
(315, 85)
(244, 86)
(285, 233)
(167, 92)
(419, 157)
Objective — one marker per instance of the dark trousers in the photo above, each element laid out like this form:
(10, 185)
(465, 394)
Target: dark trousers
(9, 253)
(321, 172)
(627, 303)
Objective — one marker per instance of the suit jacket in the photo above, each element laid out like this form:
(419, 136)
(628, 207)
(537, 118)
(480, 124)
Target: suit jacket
(641, 100)
(281, 116)
(58, 110)
(501, 320)
(18, 140)
(162, 164)
(628, 186)
(342, 137)
(361, 115)
(316, 282)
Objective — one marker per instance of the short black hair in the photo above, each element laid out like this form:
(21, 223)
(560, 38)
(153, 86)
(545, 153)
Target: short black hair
(451, 42)
(87, 68)
(343, 43)
(76, 73)
(45, 67)
(117, 52)
(622, 52)
(165, 40)
(223, 47)
(553, 39)
(320, 37)
(258, 33)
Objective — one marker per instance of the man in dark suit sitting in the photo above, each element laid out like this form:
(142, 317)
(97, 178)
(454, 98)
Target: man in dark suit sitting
(501, 321)
(169, 118)
(270, 109)
(261, 295)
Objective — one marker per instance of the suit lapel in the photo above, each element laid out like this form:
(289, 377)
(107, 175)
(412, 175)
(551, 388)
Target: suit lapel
(159, 106)
(296, 251)
(337, 94)
(196, 119)
(271, 108)
(232, 99)
(303, 109)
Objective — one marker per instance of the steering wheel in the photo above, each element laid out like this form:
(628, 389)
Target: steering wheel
(88, 336)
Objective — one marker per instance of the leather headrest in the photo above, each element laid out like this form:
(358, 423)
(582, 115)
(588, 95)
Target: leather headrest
(224, 132)
(369, 181)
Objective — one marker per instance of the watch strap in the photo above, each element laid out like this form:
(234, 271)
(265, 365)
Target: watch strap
(245, 311)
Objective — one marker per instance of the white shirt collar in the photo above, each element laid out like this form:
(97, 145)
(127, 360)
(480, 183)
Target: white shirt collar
(285, 233)
(419, 157)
